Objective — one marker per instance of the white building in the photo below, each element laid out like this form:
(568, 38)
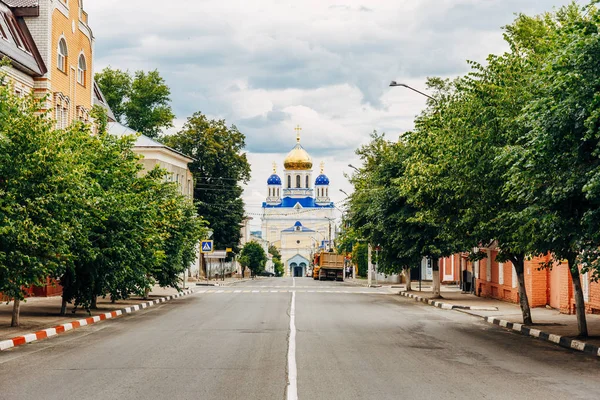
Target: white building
(298, 215)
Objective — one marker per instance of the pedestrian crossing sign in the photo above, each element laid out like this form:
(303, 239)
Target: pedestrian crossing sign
(206, 246)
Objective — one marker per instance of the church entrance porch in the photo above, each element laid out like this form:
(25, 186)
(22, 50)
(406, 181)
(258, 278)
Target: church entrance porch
(297, 266)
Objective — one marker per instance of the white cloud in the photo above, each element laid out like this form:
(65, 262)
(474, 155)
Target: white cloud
(267, 65)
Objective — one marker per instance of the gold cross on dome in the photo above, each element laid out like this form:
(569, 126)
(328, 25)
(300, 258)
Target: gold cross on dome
(298, 130)
(322, 166)
(274, 167)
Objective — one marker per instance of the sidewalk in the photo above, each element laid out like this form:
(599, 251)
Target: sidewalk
(548, 324)
(219, 282)
(43, 312)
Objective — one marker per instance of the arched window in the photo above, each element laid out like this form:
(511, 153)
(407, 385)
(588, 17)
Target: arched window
(278, 192)
(326, 192)
(81, 70)
(61, 61)
(307, 181)
(298, 181)
(289, 181)
(269, 192)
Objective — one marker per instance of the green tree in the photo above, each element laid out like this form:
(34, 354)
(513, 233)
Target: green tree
(135, 229)
(116, 87)
(278, 265)
(220, 167)
(360, 258)
(141, 101)
(557, 159)
(147, 108)
(41, 174)
(254, 257)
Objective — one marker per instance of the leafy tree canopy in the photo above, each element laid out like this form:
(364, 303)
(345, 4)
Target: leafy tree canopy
(220, 167)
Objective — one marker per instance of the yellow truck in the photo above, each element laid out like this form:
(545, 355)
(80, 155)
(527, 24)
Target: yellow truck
(328, 266)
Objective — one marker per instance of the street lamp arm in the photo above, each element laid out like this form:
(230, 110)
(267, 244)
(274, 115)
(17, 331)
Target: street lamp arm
(395, 84)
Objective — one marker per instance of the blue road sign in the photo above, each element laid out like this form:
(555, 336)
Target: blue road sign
(206, 246)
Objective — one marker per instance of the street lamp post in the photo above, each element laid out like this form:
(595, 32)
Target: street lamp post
(329, 241)
(352, 166)
(395, 84)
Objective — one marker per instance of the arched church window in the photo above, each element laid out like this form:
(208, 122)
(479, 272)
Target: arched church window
(327, 192)
(289, 181)
(298, 181)
(307, 181)
(278, 192)
(269, 192)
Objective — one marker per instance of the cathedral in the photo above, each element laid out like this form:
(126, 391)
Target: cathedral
(298, 216)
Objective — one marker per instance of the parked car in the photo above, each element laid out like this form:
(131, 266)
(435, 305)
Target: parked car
(267, 273)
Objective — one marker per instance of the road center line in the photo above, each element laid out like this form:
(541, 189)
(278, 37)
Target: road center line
(292, 389)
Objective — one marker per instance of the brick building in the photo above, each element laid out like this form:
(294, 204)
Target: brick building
(544, 287)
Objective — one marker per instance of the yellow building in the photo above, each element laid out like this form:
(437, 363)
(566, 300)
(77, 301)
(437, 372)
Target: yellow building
(65, 43)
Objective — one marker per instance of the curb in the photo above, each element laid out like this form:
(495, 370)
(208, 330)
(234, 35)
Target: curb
(562, 341)
(446, 306)
(46, 333)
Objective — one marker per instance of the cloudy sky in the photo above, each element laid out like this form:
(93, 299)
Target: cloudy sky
(269, 65)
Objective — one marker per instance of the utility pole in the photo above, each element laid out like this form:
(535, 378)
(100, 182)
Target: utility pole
(370, 265)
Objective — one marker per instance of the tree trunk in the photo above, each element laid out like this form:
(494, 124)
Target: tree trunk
(579, 301)
(94, 304)
(63, 307)
(406, 272)
(435, 267)
(16, 313)
(519, 266)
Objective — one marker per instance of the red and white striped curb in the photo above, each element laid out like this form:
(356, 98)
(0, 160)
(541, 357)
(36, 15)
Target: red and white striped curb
(46, 333)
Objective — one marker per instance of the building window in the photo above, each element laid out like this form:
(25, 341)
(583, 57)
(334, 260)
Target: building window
(307, 181)
(270, 192)
(327, 192)
(585, 286)
(298, 181)
(289, 181)
(61, 109)
(61, 61)
(15, 32)
(81, 69)
(3, 33)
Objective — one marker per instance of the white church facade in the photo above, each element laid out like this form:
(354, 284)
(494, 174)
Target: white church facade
(298, 215)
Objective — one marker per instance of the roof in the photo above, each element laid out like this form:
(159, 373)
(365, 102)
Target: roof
(298, 227)
(322, 180)
(290, 202)
(21, 3)
(100, 100)
(18, 45)
(142, 141)
(274, 180)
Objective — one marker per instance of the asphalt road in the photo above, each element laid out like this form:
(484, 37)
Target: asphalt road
(350, 343)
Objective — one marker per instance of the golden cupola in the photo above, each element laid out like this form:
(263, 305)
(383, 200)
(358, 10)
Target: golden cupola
(298, 159)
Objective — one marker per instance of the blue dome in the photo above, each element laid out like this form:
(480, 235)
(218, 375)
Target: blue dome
(322, 180)
(274, 180)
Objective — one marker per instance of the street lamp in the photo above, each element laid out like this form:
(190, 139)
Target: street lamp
(395, 84)
(352, 166)
(347, 195)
